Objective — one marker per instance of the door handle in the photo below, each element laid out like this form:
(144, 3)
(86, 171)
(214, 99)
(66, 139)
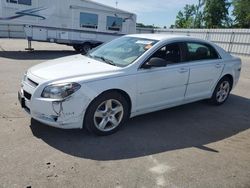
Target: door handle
(183, 70)
(218, 65)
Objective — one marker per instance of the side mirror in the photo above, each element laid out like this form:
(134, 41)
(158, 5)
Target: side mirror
(155, 62)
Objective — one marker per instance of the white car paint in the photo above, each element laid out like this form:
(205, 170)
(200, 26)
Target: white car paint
(148, 89)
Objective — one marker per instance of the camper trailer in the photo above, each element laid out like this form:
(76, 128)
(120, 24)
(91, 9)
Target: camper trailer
(82, 24)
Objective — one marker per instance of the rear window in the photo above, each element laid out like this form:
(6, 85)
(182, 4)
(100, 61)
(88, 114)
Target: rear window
(199, 51)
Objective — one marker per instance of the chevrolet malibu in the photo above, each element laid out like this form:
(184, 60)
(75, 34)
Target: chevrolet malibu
(129, 76)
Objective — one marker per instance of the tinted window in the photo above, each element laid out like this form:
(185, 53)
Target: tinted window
(88, 20)
(114, 23)
(198, 51)
(171, 53)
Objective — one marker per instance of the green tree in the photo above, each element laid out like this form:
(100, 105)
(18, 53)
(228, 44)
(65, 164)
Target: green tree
(186, 18)
(145, 26)
(216, 13)
(242, 13)
(180, 20)
(172, 26)
(198, 22)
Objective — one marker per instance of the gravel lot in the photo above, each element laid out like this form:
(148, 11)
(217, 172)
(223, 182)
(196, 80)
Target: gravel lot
(195, 145)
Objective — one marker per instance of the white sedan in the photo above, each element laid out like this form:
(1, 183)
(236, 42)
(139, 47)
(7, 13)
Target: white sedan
(129, 76)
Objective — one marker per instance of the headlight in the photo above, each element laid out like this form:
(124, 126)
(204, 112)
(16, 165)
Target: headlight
(60, 91)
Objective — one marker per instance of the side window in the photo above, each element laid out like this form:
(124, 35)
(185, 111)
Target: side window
(89, 20)
(198, 51)
(114, 23)
(21, 2)
(170, 53)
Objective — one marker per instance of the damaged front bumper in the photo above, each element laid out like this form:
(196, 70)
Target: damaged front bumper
(66, 114)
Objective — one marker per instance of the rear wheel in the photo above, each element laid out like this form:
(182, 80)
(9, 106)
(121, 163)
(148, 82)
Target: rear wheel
(82, 48)
(106, 114)
(77, 48)
(222, 91)
(85, 48)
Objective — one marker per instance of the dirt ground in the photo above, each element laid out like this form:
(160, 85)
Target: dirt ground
(195, 145)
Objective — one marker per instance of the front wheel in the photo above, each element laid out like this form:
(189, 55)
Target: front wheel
(106, 114)
(222, 91)
(85, 48)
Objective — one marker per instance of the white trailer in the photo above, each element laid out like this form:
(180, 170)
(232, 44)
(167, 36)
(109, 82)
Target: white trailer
(82, 24)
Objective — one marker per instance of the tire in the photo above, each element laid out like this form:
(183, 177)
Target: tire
(106, 114)
(221, 91)
(85, 48)
(77, 48)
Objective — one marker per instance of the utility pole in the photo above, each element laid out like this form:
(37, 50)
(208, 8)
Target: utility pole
(116, 3)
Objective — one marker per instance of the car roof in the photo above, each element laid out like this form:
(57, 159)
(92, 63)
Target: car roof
(163, 37)
(172, 37)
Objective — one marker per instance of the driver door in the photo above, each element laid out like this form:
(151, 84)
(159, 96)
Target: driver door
(161, 86)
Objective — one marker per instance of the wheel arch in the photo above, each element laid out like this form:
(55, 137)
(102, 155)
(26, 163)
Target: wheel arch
(86, 42)
(230, 77)
(120, 91)
(213, 99)
(227, 75)
(93, 44)
(123, 93)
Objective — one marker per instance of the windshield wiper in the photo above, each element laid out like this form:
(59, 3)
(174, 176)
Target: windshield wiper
(108, 61)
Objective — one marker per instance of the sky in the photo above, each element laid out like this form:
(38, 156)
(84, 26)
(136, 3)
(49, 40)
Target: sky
(158, 12)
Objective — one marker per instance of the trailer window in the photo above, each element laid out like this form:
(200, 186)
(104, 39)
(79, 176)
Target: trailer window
(12, 1)
(24, 2)
(88, 20)
(114, 23)
(21, 2)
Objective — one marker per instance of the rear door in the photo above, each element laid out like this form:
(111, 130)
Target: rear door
(205, 69)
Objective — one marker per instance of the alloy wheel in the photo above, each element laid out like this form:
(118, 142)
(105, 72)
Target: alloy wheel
(108, 115)
(223, 91)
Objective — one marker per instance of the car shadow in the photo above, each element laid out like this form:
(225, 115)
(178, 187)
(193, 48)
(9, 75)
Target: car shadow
(36, 55)
(192, 125)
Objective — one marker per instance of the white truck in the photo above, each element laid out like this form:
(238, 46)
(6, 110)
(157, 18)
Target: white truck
(83, 24)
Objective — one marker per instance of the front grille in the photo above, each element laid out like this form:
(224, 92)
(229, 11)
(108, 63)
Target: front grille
(31, 82)
(27, 95)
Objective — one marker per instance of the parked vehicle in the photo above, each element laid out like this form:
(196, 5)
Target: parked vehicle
(82, 24)
(129, 76)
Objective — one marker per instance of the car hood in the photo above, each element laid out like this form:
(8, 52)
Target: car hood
(71, 66)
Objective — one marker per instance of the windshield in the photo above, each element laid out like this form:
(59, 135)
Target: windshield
(122, 51)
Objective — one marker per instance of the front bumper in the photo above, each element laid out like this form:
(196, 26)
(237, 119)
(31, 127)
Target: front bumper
(65, 114)
(61, 114)
(25, 104)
